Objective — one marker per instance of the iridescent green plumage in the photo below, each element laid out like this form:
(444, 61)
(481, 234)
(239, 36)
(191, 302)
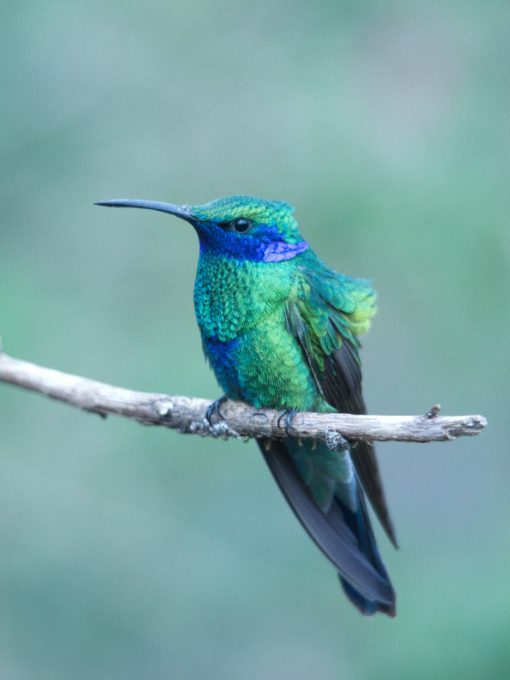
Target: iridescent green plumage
(280, 329)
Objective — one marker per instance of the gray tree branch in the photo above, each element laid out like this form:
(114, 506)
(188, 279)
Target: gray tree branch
(187, 414)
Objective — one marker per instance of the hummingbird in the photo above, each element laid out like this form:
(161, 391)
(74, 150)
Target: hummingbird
(281, 330)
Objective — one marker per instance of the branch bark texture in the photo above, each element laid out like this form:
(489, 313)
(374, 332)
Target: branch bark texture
(188, 414)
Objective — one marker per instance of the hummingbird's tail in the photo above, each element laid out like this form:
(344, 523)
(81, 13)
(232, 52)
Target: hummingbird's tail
(344, 536)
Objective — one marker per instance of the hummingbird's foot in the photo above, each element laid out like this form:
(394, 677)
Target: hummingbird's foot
(214, 410)
(287, 416)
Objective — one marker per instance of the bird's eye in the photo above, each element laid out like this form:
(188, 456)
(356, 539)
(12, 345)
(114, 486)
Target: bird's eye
(240, 224)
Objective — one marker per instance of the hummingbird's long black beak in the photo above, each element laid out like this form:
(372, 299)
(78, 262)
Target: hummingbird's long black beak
(181, 211)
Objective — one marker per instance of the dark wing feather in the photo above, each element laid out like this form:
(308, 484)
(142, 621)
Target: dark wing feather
(325, 315)
(345, 395)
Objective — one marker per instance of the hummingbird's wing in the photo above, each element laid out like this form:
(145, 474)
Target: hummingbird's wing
(326, 313)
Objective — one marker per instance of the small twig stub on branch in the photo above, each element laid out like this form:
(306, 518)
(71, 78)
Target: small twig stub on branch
(188, 414)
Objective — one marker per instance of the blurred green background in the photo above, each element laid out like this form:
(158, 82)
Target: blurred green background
(130, 552)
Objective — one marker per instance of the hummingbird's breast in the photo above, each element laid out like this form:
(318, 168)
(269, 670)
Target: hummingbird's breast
(233, 296)
(241, 312)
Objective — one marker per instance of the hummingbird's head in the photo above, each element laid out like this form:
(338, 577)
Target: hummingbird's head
(241, 227)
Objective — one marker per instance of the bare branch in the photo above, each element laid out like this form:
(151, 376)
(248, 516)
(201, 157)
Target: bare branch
(187, 414)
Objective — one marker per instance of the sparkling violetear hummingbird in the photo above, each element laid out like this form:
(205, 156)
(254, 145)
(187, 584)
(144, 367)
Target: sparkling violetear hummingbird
(280, 330)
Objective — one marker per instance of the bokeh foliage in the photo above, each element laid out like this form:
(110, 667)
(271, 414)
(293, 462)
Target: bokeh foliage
(129, 552)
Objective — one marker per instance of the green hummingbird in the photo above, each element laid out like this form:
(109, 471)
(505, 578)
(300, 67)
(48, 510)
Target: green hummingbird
(280, 330)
